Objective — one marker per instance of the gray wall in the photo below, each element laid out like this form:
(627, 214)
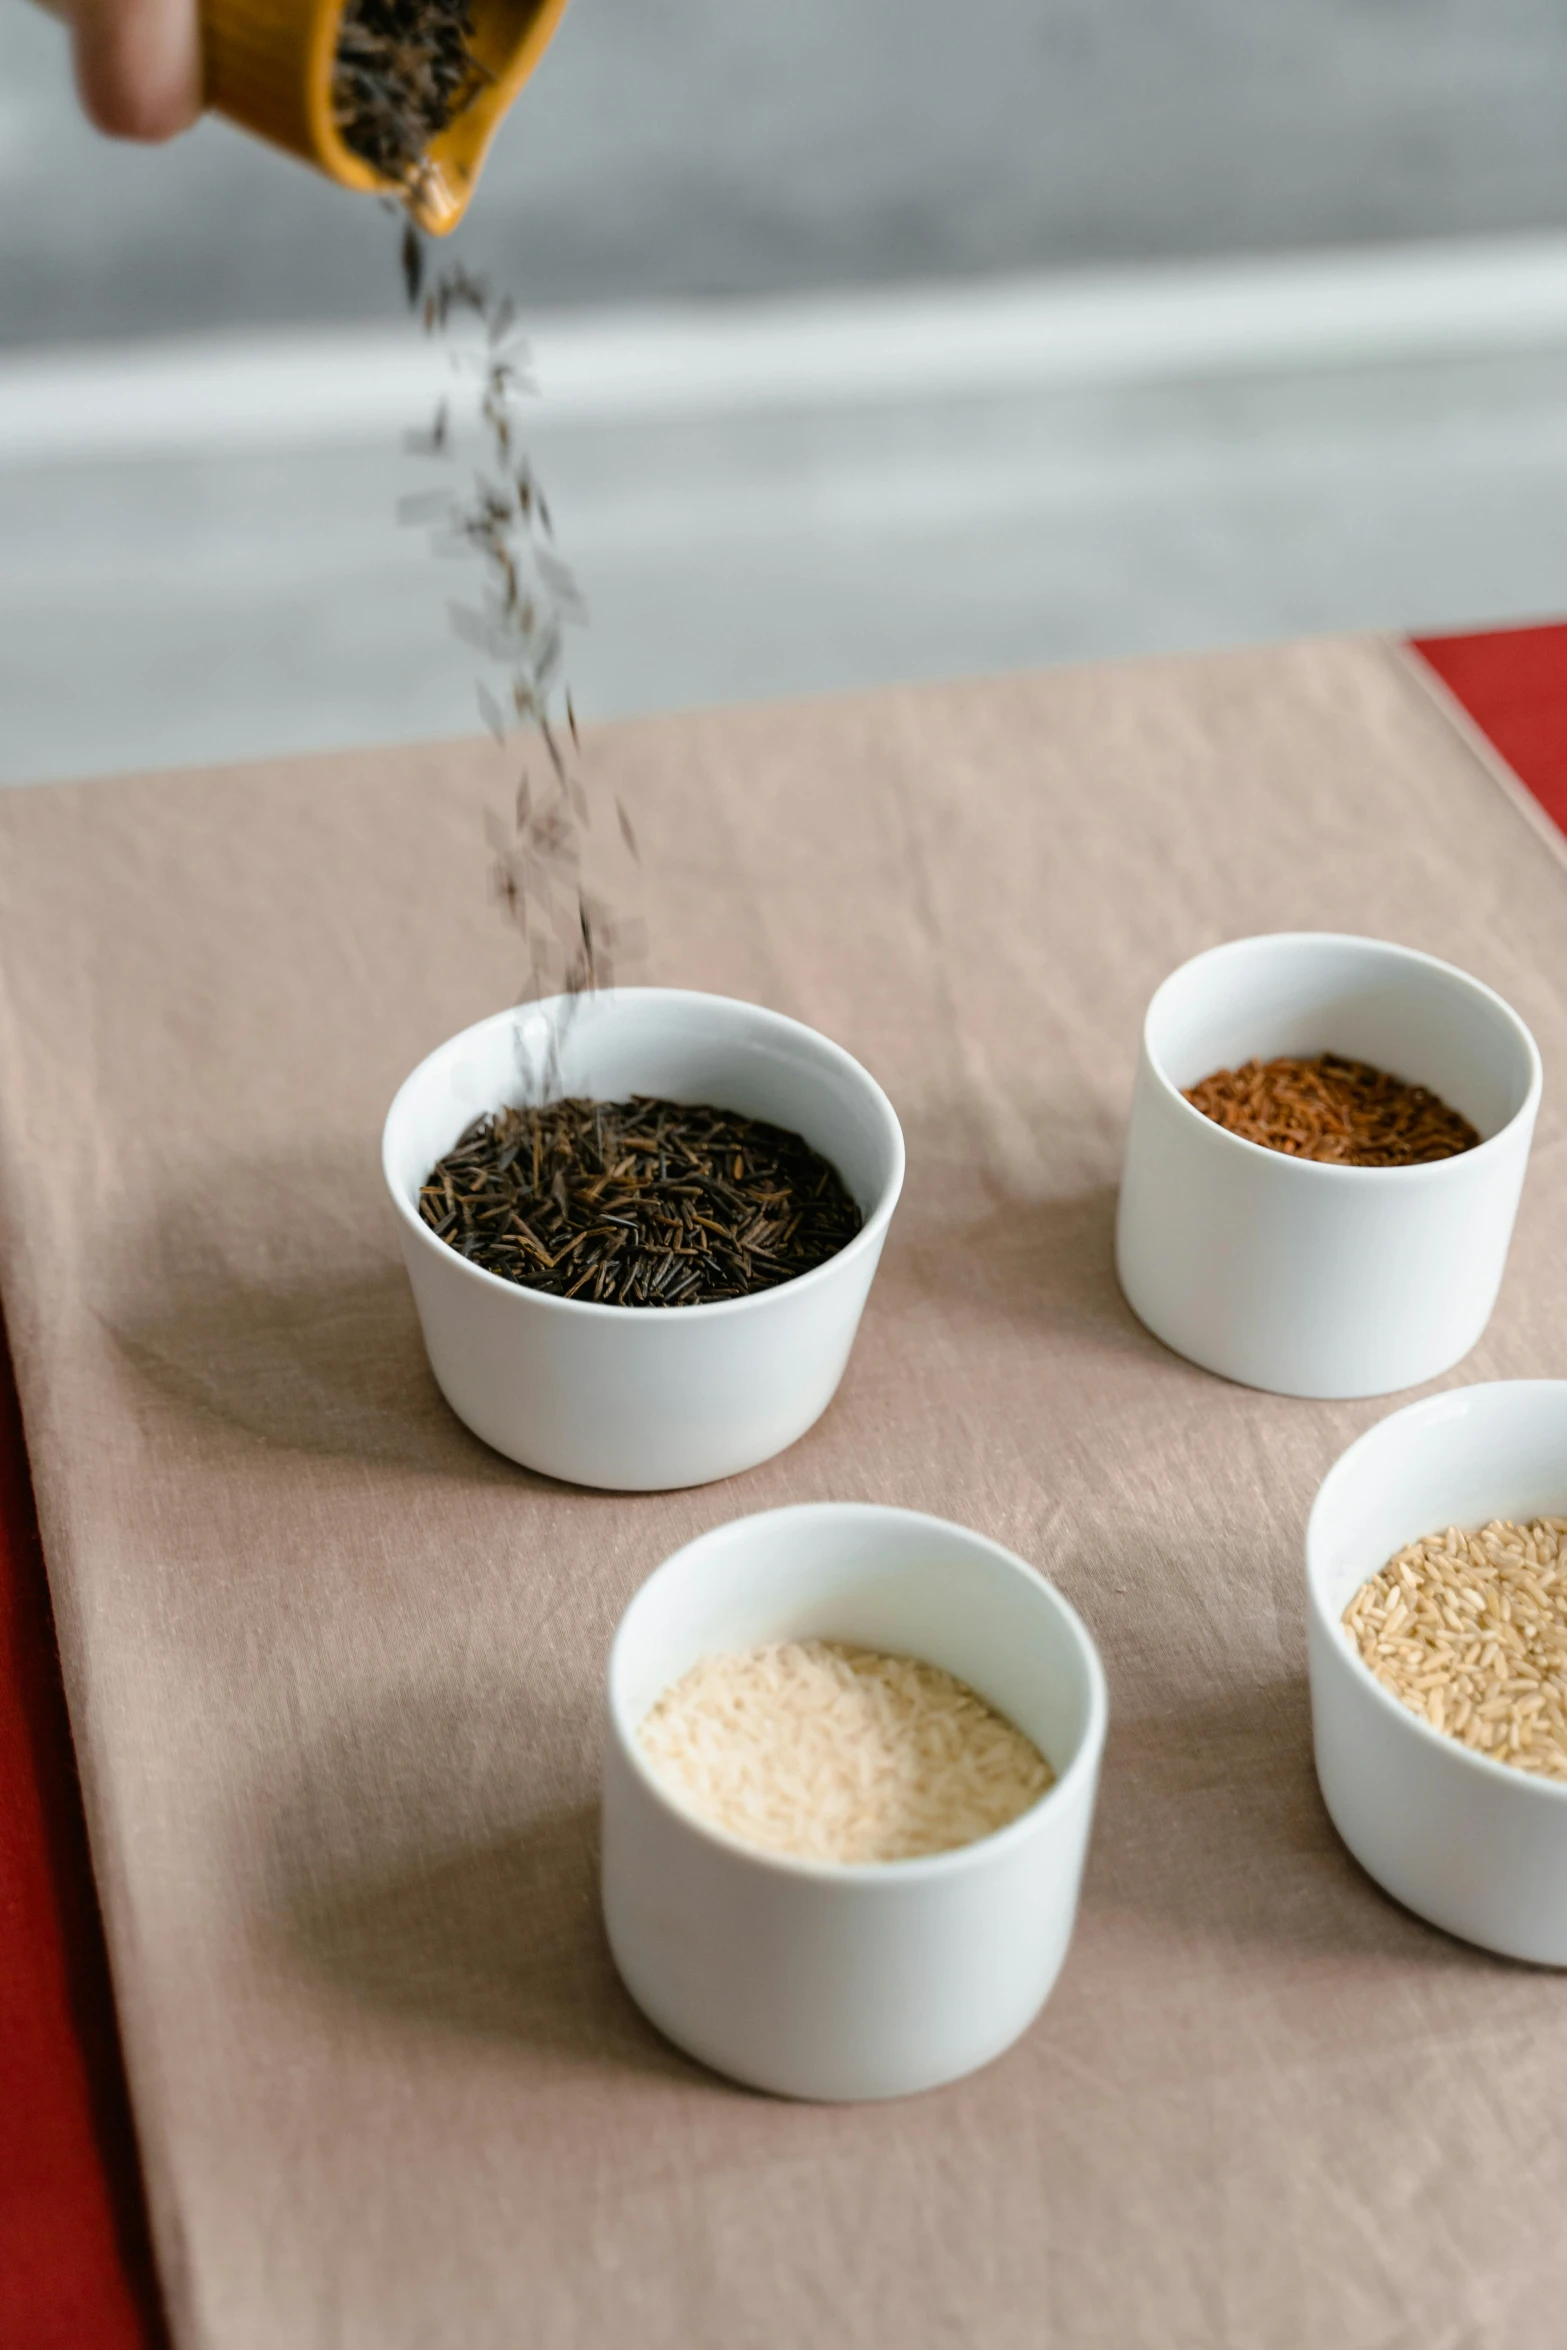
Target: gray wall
(717, 147)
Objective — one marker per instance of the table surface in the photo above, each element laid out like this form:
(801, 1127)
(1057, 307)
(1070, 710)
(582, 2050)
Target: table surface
(74, 2263)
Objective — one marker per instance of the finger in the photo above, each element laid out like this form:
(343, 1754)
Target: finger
(138, 65)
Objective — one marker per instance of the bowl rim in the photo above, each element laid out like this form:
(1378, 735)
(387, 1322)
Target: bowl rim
(1525, 1784)
(1428, 1170)
(869, 1237)
(922, 1868)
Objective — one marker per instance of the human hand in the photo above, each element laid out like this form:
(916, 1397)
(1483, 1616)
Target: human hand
(138, 64)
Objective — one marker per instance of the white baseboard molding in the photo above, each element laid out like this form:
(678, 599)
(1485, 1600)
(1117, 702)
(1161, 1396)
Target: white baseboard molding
(1377, 305)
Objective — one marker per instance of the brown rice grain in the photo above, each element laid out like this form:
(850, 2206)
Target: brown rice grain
(1469, 1631)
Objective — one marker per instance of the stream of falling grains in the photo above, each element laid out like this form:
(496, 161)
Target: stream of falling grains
(404, 71)
(572, 938)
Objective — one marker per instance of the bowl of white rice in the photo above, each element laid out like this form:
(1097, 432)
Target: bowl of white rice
(850, 1769)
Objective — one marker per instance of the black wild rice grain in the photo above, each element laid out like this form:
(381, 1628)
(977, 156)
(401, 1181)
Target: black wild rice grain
(638, 1203)
(527, 600)
(404, 71)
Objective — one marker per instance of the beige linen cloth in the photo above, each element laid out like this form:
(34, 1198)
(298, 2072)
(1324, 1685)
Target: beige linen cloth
(334, 1669)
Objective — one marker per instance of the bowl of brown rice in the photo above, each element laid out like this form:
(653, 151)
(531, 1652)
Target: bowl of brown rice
(850, 1768)
(1436, 1568)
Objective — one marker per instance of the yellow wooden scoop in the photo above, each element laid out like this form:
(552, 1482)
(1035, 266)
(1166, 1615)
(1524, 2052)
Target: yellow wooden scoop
(267, 65)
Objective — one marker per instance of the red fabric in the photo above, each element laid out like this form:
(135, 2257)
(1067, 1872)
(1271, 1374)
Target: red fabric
(1513, 683)
(75, 2267)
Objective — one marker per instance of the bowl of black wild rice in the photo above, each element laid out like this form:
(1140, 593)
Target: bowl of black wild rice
(640, 1226)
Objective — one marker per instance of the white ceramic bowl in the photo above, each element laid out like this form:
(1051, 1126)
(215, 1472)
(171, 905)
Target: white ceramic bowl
(1464, 1841)
(1302, 1277)
(638, 1397)
(865, 1980)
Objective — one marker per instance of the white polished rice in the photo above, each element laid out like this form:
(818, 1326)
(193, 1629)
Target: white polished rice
(840, 1754)
(1470, 1632)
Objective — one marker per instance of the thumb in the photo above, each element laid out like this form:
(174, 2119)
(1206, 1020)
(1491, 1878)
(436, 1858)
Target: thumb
(138, 65)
